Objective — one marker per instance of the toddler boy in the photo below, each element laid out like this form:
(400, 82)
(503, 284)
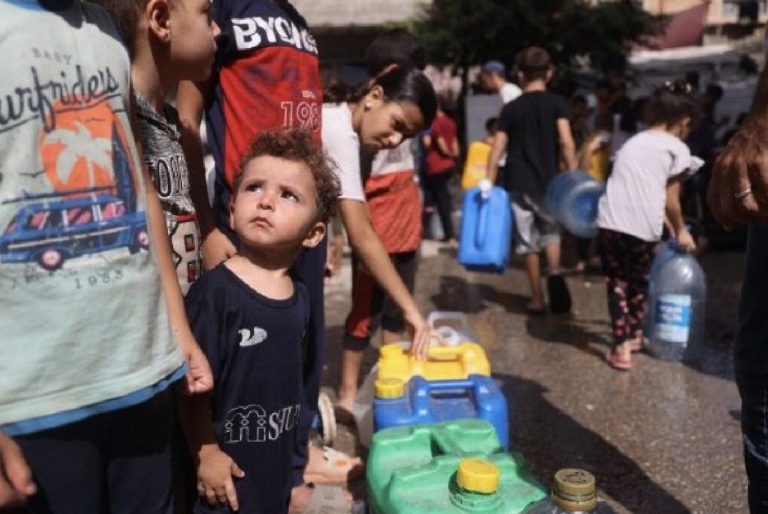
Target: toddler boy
(251, 319)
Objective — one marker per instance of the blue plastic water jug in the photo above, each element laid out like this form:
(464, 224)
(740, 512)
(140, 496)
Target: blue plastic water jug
(486, 231)
(666, 252)
(676, 305)
(572, 198)
(424, 401)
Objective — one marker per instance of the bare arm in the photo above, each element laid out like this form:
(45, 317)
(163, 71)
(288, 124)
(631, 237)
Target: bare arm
(216, 247)
(738, 190)
(586, 151)
(367, 245)
(675, 216)
(567, 146)
(199, 377)
(497, 149)
(451, 150)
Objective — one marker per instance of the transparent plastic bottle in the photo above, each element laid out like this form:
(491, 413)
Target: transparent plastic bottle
(574, 492)
(666, 252)
(677, 306)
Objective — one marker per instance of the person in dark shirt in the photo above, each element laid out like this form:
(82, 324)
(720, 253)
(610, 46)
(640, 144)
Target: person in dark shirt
(252, 320)
(535, 132)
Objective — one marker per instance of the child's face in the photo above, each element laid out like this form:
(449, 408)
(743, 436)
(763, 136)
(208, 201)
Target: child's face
(193, 39)
(386, 124)
(275, 206)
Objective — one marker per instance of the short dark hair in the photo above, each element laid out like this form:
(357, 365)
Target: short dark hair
(126, 13)
(395, 46)
(492, 124)
(534, 63)
(297, 145)
(670, 103)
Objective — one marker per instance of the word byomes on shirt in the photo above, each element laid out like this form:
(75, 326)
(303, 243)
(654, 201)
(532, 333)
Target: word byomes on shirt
(259, 31)
(253, 424)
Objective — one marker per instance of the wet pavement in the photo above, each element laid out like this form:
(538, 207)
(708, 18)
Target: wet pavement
(661, 439)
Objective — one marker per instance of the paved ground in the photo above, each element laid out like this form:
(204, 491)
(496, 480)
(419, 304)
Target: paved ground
(662, 439)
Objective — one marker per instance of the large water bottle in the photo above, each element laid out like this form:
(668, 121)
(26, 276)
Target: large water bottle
(572, 198)
(573, 492)
(666, 252)
(677, 306)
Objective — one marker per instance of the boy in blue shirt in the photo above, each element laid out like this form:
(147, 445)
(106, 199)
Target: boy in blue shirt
(251, 319)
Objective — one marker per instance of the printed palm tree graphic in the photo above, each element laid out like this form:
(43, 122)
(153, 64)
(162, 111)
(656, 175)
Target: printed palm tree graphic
(96, 151)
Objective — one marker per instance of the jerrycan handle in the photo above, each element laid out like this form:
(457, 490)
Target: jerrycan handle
(443, 353)
(449, 385)
(436, 317)
(482, 220)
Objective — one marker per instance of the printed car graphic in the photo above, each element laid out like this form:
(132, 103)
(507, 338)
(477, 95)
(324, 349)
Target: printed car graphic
(53, 230)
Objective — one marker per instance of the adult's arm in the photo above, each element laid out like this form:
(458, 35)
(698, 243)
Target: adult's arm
(497, 150)
(738, 189)
(216, 247)
(16, 482)
(369, 248)
(199, 378)
(567, 146)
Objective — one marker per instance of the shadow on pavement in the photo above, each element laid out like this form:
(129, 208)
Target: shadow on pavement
(570, 331)
(457, 294)
(549, 440)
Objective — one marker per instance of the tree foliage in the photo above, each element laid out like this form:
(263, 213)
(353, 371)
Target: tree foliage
(465, 32)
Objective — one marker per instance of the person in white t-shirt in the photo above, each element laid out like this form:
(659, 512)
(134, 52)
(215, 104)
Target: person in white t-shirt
(645, 183)
(492, 77)
(396, 104)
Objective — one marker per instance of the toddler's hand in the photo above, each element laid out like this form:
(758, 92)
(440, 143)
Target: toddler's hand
(214, 478)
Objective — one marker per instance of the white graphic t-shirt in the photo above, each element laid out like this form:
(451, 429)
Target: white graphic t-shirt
(82, 314)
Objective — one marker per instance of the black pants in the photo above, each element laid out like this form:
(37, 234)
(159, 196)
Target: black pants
(437, 185)
(751, 367)
(118, 462)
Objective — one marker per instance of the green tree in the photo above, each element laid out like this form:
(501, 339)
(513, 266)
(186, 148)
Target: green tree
(466, 32)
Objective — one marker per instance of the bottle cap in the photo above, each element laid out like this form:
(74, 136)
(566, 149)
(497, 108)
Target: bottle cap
(574, 490)
(478, 476)
(389, 388)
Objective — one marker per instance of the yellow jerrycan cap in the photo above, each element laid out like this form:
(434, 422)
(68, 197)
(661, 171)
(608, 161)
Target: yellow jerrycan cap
(478, 476)
(389, 388)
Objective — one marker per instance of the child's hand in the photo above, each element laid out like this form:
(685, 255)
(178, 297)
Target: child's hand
(15, 476)
(216, 248)
(685, 241)
(419, 332)
(214, 478)
(199, 378)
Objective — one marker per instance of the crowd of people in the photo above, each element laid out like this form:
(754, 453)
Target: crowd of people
(126, 371)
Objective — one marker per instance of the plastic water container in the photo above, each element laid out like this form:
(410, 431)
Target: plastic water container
(572, 198)
(486, 231)
(475, 168)
(676, 306)
(442, 363)
(573, 491)
(452, 325)
(422, 401)
(666, 252)
(447, 468)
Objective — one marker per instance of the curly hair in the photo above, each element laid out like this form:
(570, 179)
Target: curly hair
(297, 145)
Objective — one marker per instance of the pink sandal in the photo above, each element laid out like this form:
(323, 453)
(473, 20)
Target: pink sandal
(618, 362)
